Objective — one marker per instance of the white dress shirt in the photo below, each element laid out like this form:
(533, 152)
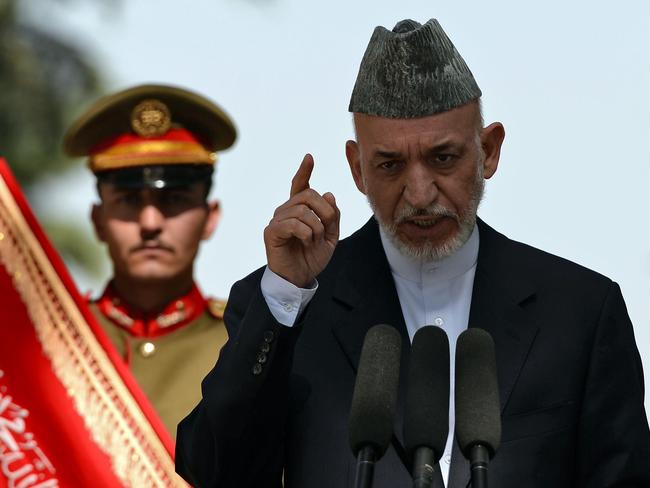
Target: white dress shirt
(438, 293)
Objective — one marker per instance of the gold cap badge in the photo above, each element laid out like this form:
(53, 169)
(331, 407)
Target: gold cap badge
(151, 118)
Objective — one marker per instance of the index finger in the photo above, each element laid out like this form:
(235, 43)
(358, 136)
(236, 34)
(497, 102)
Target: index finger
(300, 180)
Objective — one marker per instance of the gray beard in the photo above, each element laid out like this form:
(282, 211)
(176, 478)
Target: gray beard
(430, 252)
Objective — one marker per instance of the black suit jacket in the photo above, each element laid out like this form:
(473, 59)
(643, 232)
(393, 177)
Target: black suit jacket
(570, 378)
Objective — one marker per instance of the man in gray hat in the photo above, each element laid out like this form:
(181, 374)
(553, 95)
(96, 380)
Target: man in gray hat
(278, 400)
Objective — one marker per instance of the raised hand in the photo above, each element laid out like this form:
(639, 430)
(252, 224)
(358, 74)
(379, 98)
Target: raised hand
(301, 237)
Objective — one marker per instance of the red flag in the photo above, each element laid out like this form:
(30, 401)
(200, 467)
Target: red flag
(71, 414)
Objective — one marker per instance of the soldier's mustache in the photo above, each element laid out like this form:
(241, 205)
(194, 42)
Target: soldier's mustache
(152, 244)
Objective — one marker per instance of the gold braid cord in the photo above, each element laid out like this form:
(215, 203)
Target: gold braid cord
(111, 414)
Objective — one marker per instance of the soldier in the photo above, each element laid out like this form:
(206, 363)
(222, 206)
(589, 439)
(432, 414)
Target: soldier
(152, 149)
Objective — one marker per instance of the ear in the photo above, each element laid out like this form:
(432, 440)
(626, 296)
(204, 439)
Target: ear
(214, 215)
(354, 160)
(96, 215)
(492, 138)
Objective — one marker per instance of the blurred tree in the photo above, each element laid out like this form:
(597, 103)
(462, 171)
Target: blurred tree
(43, 81)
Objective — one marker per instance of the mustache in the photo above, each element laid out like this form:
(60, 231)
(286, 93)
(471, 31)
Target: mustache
(434, 210)
(151, 245)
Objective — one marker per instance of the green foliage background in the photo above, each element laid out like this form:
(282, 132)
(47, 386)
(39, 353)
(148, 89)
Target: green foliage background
(44, 80)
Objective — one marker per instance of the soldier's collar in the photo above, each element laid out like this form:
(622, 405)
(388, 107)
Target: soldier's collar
(176, 314)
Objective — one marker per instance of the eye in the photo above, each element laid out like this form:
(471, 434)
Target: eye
(444, 160)
(175, 197)
(389, 165)
(128, 199)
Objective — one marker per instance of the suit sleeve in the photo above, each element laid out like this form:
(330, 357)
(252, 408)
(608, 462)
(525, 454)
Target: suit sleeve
(234, 437)
(614, 445)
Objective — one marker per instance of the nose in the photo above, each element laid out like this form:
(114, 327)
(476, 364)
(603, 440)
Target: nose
(420, 189)
(151, 220)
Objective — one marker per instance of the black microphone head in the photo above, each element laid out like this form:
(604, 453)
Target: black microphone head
(375, 392)
(478, 411)
(426, 414)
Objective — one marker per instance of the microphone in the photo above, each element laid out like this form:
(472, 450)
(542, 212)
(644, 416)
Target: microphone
(374, 399)
(426, 411)
(478, 420)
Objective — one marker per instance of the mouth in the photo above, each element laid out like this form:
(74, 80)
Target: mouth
(429, 228)
(424, 223)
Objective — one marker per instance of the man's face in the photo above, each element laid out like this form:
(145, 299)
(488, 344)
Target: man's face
(424, 177)
(153, 234)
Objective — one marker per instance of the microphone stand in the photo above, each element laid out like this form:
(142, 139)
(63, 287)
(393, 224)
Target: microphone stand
(365, 467)
(423, 467)
(479, 458)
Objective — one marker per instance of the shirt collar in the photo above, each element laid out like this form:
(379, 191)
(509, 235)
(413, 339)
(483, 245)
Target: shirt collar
(447, 269)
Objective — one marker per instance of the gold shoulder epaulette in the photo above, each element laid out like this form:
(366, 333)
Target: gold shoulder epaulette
(216, 307)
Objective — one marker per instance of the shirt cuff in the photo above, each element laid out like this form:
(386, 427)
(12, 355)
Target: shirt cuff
(285, 300)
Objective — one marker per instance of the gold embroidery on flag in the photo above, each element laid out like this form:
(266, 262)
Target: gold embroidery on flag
(110, 412)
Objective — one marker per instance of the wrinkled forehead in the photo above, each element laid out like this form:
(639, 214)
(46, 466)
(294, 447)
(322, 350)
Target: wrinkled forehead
(456, 126)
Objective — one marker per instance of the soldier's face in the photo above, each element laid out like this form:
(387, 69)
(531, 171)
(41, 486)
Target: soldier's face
(154, 234)
(424, 177)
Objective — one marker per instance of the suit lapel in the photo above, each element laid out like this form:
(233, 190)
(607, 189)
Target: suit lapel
(499, 296)
(366, 288)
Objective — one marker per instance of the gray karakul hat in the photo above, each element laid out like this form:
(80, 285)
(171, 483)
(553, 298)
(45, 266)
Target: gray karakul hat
(412, 71)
